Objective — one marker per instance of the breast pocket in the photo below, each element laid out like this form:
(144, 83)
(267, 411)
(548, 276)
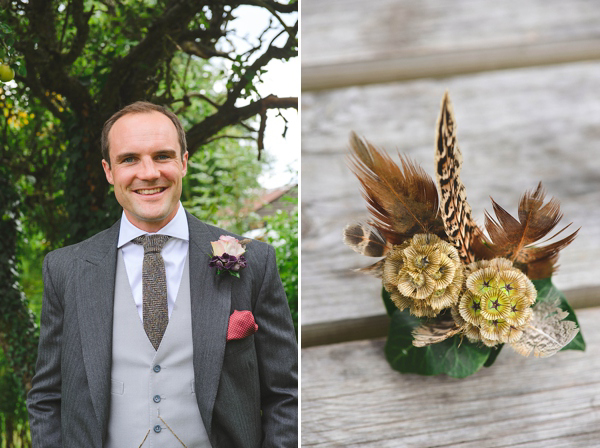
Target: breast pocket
(239, 345)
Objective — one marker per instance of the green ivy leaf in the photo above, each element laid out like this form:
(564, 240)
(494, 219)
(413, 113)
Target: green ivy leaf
(387, 301)
(547, 291)
(5, 28)
(454, 357)
(494, 352)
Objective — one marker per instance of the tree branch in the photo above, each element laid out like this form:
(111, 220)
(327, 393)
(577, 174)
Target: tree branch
(269, 6)
(238, 137)
(131, 78)
(202, 51)
(203, 97)
(276, 6)
(202, 34)
(261, 131)
(272, 52)
(247, 126)
(64, 28)
(46, 69)
(201, 132)
(81, 19)
(42, 22)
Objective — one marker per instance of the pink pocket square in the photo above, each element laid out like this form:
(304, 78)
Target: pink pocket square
(241, 325)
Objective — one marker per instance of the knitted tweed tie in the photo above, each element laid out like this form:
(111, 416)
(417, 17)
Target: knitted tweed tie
(154, 287)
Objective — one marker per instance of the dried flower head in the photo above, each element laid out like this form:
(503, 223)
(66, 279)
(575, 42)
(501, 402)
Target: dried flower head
(496, 304)
(423, 274)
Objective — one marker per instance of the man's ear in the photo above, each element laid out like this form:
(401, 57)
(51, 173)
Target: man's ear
(107, 172)
(184, 161)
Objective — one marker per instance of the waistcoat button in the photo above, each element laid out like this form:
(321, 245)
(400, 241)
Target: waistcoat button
(157, 429)
(156, 398)
(156, 368)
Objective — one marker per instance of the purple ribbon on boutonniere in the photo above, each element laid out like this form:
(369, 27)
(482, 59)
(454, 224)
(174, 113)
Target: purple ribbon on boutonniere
(228, 255)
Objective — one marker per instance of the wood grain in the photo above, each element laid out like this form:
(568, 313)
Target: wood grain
(386, 40)
(371, 327)
(515, 127)
(351, 397)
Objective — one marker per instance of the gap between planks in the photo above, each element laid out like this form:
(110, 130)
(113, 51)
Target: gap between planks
(372, 327)
(332, 76)
(351, 397)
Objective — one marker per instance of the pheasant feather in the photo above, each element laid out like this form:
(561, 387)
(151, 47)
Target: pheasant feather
(402, 201)
(513, 238)
(366, 240)
(460, 227)
(435, 331)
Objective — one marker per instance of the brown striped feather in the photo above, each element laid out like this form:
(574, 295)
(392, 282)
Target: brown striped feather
(434, 331)
(460, 227)
(515, 239)
(403, 200)
(366, 240)
(376, 269)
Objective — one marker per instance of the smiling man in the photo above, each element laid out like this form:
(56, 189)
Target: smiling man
(142, 343)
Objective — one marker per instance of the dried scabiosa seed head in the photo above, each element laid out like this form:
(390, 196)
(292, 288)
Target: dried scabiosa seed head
(424, 274)
(495, 307)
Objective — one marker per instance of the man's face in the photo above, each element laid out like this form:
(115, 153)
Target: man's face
(146, 168)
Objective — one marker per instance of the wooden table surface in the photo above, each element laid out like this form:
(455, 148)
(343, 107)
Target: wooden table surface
(351, 397)
(351, 42)
(524, 78)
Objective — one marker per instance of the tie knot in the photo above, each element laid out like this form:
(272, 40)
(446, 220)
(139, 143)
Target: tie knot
(151, 243)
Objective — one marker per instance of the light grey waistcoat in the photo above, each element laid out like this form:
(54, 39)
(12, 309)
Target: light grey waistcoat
(153, 403)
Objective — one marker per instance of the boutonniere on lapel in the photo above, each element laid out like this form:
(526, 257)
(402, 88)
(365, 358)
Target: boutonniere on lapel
(228, 255)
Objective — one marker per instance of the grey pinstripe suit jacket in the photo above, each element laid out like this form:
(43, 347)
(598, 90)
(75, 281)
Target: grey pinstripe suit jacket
(246, 389)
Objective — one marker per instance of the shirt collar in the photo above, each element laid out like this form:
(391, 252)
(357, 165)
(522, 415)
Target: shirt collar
(176, 228)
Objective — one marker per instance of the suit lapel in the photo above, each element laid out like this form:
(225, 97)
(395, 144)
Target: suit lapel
(95, 276)
(210, 306)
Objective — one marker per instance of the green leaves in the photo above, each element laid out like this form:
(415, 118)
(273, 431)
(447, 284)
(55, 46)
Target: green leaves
(452, 357)
(455, 357)
(389, 305)
(8, 54)
(222, 183)
(282, 233)
(5, 29)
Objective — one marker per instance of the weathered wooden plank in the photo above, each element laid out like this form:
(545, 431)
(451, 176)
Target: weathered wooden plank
(331, 76)
(372, 327)
(515, 127)
(355, 42)
(351, 397)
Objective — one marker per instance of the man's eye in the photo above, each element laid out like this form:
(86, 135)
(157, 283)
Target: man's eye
(162, 157)
(128, 160)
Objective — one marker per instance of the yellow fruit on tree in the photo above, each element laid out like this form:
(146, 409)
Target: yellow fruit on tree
(6, 73)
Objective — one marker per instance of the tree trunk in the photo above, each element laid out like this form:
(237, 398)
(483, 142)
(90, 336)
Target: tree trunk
(89, 206)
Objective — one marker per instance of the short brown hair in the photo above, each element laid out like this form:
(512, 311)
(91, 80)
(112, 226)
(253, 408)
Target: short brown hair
(140, 107)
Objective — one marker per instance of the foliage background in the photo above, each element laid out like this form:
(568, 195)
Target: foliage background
(76, 63)
(282, 233)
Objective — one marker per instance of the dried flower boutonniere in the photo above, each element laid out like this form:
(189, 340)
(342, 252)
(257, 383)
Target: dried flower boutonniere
(228, 255)
(454, 294)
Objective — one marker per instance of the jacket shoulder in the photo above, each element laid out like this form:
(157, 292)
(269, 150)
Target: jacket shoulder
(215, 232)
(60, 261)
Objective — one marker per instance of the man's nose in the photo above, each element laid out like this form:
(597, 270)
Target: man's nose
(148, 170)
